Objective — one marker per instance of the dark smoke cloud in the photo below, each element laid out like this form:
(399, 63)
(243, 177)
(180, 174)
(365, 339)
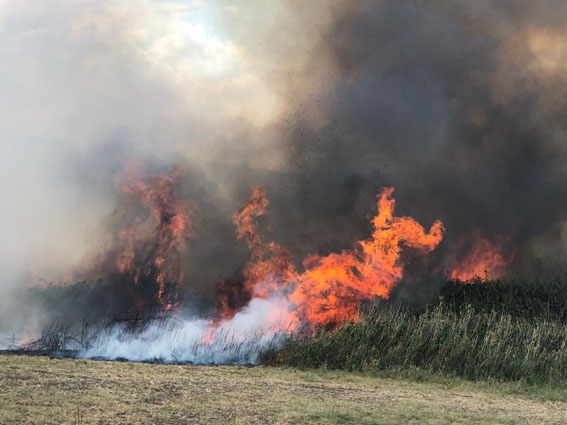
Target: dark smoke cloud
(453, 105)
(460, 106)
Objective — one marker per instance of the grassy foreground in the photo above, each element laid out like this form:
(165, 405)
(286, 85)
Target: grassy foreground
(38, 390)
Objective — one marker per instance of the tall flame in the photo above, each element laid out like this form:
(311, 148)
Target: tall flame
(271, 264)
(330, 288)
(270, 267)
(151, 265)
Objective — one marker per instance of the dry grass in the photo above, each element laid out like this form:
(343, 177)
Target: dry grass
(38, 390)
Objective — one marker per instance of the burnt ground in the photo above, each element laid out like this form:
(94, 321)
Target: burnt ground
(40, 390)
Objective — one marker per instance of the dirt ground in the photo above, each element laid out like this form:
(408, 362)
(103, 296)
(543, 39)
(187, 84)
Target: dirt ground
(39, 390)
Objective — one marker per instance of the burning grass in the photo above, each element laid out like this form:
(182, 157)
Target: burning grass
(394, 365)
(499, 330)
(478, 330)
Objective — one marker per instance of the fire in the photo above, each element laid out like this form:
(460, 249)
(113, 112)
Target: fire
(271, 264)
(150, 248)
(146, 265)
(270, 267)
(269, 260)
(330, 289)
(482, 260)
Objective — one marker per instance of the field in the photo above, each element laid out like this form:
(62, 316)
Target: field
(39, 390)
(492, 353)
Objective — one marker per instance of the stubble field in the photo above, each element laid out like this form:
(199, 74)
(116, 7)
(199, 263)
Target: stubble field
(40, 390)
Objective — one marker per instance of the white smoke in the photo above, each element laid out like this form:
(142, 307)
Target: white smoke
(168, 79)
(259, 327)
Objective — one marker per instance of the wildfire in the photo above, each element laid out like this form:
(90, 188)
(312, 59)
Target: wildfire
(146, 265)
(482, 260)
(150, 254)
(270, 267)
(330, 288)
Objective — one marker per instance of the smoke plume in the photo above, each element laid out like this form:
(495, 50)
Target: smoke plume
(460, 107)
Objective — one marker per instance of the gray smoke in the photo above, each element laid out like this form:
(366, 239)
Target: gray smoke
(461, 107)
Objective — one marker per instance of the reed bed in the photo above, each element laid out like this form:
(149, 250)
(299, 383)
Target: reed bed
(465, 342)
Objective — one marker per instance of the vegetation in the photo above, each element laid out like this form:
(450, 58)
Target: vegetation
(531, 300)
(417, 367)
(39, 390)
(494, 330)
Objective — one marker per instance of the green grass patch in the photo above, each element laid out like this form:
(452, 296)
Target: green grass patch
(527, 299)
(453, 338)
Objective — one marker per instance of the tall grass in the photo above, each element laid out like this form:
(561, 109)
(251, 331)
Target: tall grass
(531, 300)
(467, 343)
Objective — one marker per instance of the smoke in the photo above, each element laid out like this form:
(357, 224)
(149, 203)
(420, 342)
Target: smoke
(461, 107)
(258, 328)
(81, 81)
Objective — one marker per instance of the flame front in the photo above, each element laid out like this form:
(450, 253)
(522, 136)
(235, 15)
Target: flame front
(332, 287)
(329, 289)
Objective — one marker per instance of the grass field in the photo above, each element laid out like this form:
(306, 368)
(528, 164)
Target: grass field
(39, 390)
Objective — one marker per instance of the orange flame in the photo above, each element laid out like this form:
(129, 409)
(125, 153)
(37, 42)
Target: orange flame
(157, 259)
(270, 267)
(269, 260)
(330, 288)
(484, 259)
